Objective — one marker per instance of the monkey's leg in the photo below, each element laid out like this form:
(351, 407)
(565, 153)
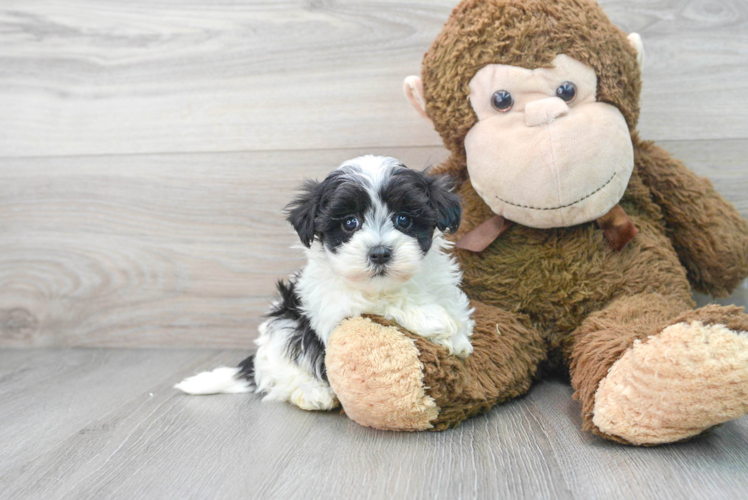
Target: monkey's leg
(390, 379)
(648, 370)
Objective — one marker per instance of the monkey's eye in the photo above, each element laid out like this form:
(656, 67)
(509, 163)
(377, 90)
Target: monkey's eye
(501, 100)
(350, 224)
(567, 91)
(403, 221)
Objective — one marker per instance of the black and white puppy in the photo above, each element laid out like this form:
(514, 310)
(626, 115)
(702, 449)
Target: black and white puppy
(372, 231)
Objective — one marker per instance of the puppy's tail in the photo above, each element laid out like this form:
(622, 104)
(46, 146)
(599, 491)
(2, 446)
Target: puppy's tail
(224, 380)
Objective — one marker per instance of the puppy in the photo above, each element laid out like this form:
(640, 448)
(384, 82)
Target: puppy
(372, 231)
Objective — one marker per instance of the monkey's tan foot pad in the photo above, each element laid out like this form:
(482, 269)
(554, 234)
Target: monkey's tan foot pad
(675, 385)
(378, 378)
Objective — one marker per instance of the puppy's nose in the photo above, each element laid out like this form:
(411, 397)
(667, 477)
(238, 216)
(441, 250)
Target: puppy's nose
(543, 111)
(380, 255)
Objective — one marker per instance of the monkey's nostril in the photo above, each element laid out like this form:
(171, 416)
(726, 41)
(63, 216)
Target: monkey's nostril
(380, 255)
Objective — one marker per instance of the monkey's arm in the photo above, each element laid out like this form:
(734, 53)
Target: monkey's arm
(387, 378)
(707, 232)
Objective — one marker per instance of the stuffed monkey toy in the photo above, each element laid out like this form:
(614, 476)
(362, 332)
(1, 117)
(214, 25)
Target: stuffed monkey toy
(579, 244)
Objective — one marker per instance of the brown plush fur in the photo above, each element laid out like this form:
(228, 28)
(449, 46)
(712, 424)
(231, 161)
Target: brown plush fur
(557, 277)
(560, 278)
(531, 34)
(565, 290)
(465, 388)
(606, 335)
(708, 234)
(502, 367)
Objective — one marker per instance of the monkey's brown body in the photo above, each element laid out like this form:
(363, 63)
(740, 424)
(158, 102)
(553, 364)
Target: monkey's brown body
(557, 277)
(646, 366)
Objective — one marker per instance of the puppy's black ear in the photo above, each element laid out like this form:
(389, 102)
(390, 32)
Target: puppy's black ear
(447, 204)
(302, 211)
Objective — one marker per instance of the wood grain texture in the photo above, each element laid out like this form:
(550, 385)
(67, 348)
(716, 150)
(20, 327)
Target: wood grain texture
(184, 250)
(179, 250)
(106, 424)
(54, 394)
(109, 77)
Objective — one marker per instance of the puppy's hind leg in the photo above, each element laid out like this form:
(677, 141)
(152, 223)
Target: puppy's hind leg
(299, 381)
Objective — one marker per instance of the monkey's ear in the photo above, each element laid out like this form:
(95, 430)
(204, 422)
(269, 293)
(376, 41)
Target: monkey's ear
(302, 211)
(447, 204)
(636, 41)
(413, 90)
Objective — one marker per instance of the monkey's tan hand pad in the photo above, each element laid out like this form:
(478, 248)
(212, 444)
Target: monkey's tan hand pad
(675, 385)
(378, 378)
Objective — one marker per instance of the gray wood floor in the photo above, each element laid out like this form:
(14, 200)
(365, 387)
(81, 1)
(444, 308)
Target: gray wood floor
(105, 423)
(146, 150)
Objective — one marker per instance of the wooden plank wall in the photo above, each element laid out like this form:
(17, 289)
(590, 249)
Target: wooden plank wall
(147, 147)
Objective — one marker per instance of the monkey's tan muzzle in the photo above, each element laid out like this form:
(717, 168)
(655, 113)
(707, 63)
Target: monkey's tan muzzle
(544, 111)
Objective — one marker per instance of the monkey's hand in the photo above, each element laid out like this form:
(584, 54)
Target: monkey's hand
(707, 232)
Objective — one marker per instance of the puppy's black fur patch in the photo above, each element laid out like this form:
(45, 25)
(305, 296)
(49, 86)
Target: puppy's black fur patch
(303, 343)
(448, 205)
(247, 369)
(321, 207)
(302, 211)
(426, 199)
(348, 199)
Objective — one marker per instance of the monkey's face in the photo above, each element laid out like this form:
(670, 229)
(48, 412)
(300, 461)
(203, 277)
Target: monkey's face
(544, 153)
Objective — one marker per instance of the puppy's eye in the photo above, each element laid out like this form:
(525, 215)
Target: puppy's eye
(403, 221)
(502, 100)
(350, 224)
(567, 91)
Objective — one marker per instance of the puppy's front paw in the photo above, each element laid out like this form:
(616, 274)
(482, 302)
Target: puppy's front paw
(461, 346)
(436, 324)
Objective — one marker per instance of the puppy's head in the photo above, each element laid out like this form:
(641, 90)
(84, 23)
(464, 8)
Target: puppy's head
(374, 220)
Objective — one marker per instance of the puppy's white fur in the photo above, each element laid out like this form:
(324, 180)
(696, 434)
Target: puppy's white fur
(428, 302)
(419, 292)
(280, 378)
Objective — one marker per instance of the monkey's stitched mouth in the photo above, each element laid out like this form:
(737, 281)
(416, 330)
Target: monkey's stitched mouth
(561, 206)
